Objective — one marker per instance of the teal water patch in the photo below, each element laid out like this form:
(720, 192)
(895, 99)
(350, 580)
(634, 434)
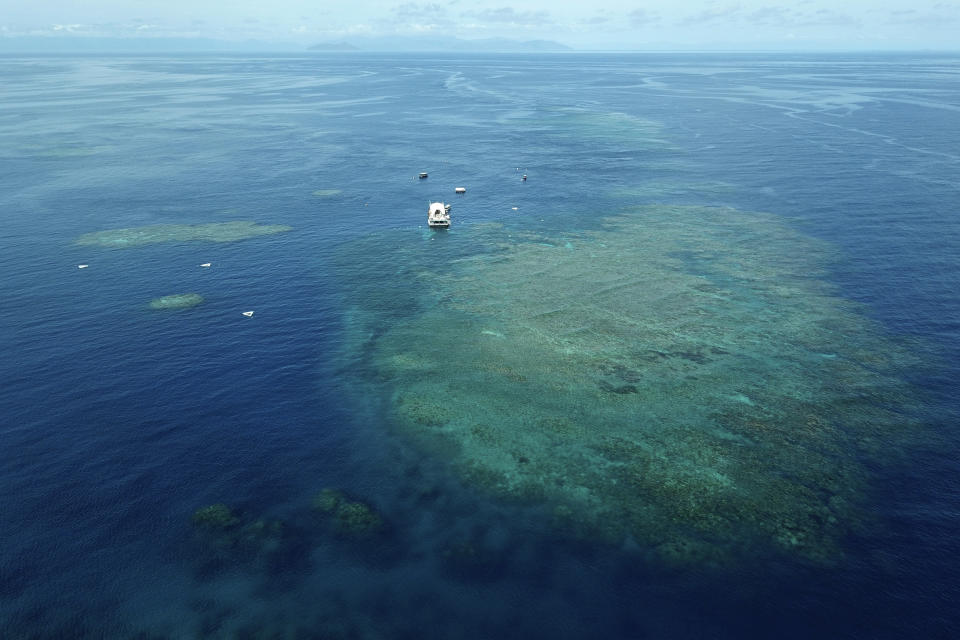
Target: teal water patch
(665, 383)
(658, 189)
(605, 131)
(66, 150)
(211, 232)
(606, 127)
(327, 193)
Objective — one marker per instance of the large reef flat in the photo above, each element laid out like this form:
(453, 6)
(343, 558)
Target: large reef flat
(210, 232)
(684, 378)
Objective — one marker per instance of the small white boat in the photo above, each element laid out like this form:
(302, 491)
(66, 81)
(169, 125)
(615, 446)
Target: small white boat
(82, 266)
(460, 190)
(205, 264)
(248, 313)
(438, 215)
(423, 175)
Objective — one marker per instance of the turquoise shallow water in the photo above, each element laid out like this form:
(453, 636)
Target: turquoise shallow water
(694, 378)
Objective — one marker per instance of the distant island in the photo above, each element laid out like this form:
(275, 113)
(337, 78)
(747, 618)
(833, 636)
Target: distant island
(97, 44)
(399, 44)
(440, 44)
(333, 46)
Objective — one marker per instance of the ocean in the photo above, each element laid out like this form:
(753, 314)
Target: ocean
(684, 365)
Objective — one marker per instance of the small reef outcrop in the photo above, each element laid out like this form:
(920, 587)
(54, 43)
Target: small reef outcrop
(226, 538)
(215, 517)
(177, 301)
(348, 518)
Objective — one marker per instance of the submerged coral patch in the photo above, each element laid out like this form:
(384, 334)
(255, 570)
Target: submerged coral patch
(211, 232)
(664, 380)
(226, 539)
(349, 518)
(177, 301)
(606, 127)
(215, 517)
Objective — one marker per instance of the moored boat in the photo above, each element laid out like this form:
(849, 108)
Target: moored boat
(438, 215)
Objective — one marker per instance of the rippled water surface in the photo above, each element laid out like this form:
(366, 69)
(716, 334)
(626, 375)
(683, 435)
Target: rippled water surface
(694, 377)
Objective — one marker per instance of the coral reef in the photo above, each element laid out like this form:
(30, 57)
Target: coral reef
(684, 377)
(216, 517)
(225, 538)
(177, 301)
(348, 518)
(210, 232)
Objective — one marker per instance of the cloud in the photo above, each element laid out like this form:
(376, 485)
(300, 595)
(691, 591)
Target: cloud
(803, 15)
(597, 20)
(712, 16)
(512, 17)
(942, 13)
(418, 11)
(826, 18)
(642, 17)
(417, 17)
(772, 16)
(360, 28)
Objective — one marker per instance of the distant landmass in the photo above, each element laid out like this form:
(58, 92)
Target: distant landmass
(91, 44)
(433, 43)
(333, 46)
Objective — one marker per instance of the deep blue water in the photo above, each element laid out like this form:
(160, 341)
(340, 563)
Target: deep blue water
(117, 421)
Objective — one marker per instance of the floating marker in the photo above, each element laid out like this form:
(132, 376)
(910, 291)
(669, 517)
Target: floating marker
(205, 264)
(82, 266)
(248, 313)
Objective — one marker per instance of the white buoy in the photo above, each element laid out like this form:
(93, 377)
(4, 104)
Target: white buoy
(248, 313)
(82, 266)
(205, 264)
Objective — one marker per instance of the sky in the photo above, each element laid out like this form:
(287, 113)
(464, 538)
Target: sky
(598, 24)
